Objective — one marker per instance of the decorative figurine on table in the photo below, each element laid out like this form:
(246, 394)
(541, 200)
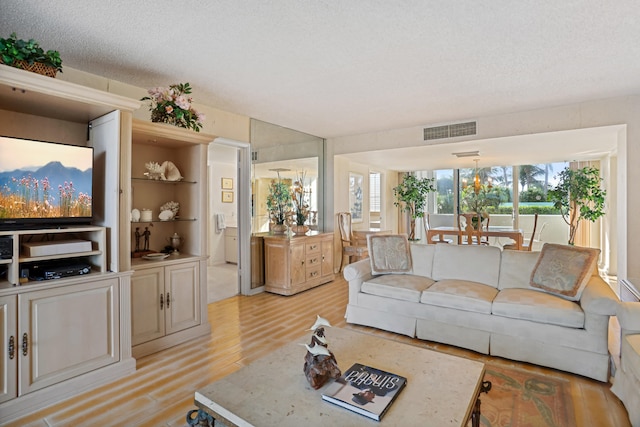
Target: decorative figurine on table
(319, 363)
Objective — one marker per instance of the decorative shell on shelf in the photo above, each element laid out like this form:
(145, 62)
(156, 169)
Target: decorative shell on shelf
(167, 171)
(165, 215)
(155, 171)
(171, 171)
(172, 206)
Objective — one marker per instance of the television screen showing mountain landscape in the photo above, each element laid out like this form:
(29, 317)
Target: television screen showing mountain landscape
(44, 179)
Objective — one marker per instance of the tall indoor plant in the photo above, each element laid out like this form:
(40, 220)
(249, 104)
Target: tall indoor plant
(578, 195)
(279, 204)
(300, 204)
(411, 194)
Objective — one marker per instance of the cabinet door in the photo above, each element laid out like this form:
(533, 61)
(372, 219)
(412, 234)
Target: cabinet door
(298, 268)
(66, 332)
(147, 305)
(327, 257)
(231, 249)
(8, 348)
(182, 288)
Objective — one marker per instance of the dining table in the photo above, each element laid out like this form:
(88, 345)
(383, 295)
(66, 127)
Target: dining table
(515, 234)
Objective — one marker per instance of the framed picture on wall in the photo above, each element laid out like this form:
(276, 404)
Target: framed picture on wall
(355, 196)
(227, 183)
(227, 197)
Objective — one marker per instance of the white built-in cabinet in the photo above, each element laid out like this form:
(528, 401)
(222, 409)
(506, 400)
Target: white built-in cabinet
(231, 245)
(169, 296)
(165, 301)
(60, 337)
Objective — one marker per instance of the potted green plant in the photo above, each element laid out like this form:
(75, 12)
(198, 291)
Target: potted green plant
(411, 194)
(29, 56)
(279, 205)
(578, 195)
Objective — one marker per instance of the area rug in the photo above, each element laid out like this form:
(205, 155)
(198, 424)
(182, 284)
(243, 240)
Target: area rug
(519, 398)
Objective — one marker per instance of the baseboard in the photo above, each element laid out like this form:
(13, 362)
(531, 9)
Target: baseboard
(56, 393)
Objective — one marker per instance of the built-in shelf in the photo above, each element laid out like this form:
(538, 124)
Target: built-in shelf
(161, 221)
(159, 181)
(5, 261)
(60, 256)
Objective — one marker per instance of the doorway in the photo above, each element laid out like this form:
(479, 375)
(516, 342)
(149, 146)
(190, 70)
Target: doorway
(222, 265)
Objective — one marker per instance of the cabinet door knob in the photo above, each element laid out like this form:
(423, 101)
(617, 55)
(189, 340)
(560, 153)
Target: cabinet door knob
(25, 344)
(168, 300)
(161, 301)
(12, 347)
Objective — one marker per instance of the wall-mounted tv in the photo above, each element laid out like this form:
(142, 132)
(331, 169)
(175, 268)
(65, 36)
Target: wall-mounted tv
(44, 183)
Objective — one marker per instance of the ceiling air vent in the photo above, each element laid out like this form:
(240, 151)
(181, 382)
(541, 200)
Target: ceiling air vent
(450, 131)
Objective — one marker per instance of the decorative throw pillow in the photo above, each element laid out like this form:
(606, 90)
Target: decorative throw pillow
(389, 253)
(564, 270)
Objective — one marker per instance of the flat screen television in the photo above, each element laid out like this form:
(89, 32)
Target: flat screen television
(44, 184)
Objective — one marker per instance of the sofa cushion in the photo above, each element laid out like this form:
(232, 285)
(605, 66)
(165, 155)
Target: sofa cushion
(422, 257)
(564, 270)
(460, 294)
(540, 307)
(479, 264)
(407, 287)
(516, 268)
(389, 253)
(631, 354)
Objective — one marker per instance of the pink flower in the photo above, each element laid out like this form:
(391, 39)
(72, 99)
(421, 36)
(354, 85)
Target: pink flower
(168, 109)
(182, 102)
(201, 117)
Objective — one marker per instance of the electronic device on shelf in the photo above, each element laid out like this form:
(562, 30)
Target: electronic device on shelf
(53, 182)
(58, 269)
(6, 247)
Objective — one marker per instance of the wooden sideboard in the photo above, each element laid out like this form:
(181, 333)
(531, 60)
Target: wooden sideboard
(297, 263)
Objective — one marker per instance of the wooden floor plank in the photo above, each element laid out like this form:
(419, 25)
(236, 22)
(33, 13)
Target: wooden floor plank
(243, 329)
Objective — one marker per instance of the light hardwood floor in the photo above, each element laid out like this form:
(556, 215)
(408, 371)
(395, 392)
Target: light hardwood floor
(161, 391)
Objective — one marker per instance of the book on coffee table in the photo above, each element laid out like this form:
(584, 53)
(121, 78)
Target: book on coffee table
(365, 390)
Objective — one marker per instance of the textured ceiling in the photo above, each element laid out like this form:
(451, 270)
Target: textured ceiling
(334, 68)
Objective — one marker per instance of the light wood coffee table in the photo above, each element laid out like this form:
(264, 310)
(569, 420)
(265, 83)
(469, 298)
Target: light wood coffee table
(272, 391)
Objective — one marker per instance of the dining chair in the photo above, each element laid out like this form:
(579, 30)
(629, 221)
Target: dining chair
(427, 226)
(471, 235)
(351, 251)
(528, 245)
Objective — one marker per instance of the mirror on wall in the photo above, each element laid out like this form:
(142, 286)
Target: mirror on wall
(285, 153)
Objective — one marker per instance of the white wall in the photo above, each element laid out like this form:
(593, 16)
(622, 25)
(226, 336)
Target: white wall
(222, 163)
(607, 112)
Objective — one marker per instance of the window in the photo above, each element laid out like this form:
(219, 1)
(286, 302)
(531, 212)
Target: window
(444, 187)
(374, 191)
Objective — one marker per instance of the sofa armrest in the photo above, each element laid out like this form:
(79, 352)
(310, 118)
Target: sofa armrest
(629, 317)
(356, 274)
(599, 298)
(358, 270)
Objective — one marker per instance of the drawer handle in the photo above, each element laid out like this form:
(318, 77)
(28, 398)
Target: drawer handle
(161, 301)
(12, 347)
(168, 300)
(313, 261)
(25, 344)
(313, 274)
(313, 247)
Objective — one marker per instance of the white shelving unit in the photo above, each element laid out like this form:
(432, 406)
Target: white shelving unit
(66, 335)
(169, 297)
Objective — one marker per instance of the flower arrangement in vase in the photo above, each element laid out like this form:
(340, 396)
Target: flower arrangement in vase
(279, 204)
(300, 205)
(172, 105)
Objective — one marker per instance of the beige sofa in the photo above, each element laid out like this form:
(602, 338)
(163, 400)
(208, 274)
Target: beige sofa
(480, 298)
(626, 384)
